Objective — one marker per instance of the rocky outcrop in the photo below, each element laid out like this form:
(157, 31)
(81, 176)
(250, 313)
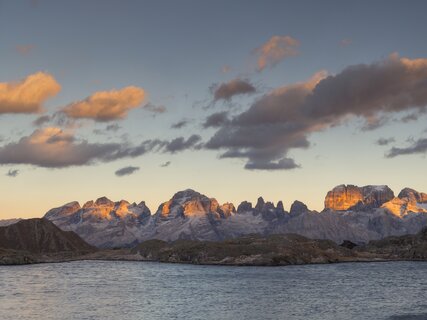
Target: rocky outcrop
(350, 197)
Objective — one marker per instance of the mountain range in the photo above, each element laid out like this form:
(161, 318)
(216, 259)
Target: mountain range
(358, 214)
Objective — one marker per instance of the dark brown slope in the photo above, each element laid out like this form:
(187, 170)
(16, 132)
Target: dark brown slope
(40, 236)
(407, 247)
(249, 250)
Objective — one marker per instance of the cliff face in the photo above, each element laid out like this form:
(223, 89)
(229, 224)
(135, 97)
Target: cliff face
(351, 197)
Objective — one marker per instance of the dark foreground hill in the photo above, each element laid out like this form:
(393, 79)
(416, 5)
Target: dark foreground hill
(36, 240)
(283, 250)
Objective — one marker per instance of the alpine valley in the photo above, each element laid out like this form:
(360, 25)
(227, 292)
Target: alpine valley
(357, 214)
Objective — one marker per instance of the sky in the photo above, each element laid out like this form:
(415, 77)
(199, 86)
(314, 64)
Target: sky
(137, 100)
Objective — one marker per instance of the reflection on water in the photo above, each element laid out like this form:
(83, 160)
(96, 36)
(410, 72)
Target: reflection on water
(141, 290)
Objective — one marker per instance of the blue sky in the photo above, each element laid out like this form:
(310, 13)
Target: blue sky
(176, 53)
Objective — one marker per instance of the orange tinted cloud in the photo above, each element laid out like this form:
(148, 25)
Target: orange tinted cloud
(29, 94)
(24, 49)
(107, 105)
(275, 50)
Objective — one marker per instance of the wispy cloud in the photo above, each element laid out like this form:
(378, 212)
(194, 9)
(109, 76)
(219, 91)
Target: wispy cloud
(385, 141)
(29, 94)
(12, 173)
(179, 124)
(25, 49)
(275, 50)
(345, 42)
(417, 147)
(126, 171)
(166, 164)
(154, 108)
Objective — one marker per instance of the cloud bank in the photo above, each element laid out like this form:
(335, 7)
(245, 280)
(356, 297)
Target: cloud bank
(54, 148)
(29, 94)
(283, 119)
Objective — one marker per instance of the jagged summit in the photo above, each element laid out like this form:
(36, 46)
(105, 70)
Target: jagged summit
(351, 197)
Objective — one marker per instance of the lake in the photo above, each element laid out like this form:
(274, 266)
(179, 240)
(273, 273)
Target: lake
(145, 290)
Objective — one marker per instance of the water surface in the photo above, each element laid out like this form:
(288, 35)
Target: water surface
(144, 290)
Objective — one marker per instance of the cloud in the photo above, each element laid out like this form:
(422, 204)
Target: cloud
(179, 124)
(153, 108)
(417, 147)
(41, 120)
(24, 49)
(106, 105)
(113, 127)
(275, 50)
(345, 42)
(126, 171)
(216, 120)
(29, 94)
(283, 119)
(225, 69)
(55, 148)
(175, 145)
(166, 164)
(385, 141)
(225, 91)
(12, 173)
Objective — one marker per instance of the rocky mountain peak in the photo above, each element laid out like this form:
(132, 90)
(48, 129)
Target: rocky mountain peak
(280, 206)
(297, 208)
(413, 195)
(187, 203)
(351, 197)
(64, 211)
(260, 204)
(104, 201)
(244, 206)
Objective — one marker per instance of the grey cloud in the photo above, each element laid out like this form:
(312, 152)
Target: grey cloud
(417, 147)
(166, 164)
(384, 141)
(41, 120)
(179, 124)
(126, 171)
(175, 145)
(113, 127)
(216, 119)
(284, 118)
(227, 90)
(54, 148)
(12, 173)
(153, 108)
(110, 128)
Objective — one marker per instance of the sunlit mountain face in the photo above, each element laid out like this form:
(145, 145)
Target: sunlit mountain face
(139, 99)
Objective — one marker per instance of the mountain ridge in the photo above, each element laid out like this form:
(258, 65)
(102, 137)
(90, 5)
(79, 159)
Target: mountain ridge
(358, 214)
